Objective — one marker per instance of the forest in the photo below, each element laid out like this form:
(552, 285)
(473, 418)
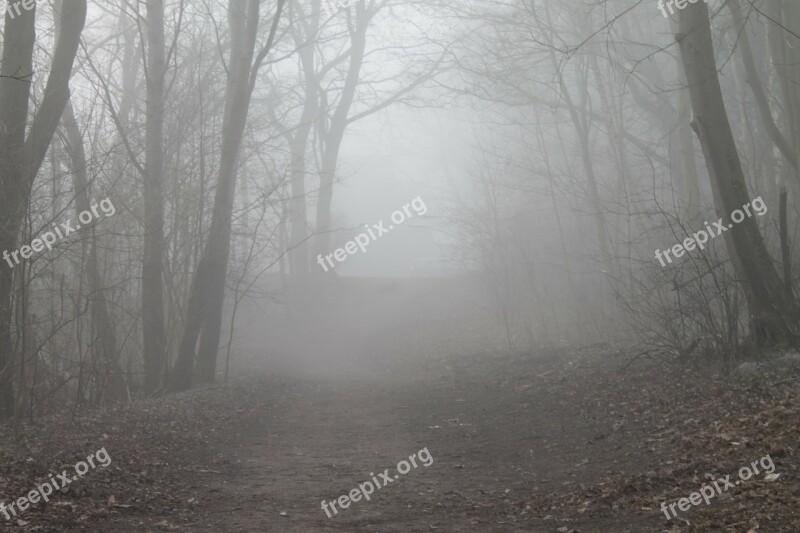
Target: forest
(400, 265)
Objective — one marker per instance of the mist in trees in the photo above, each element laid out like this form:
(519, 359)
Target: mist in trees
(556, 145)
(274, 240)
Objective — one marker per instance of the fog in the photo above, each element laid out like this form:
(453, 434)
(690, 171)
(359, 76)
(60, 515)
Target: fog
(399, 265)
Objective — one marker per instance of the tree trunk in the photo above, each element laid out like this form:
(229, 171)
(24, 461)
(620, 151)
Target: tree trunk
(298, 144)
(582, 131)
(102, 327)
(759, 93)
(684, 153)
(335, 134)
(770, 307)
(204, 314)
(783, 49)
(21, 157)
(153, 341)
(299, 220)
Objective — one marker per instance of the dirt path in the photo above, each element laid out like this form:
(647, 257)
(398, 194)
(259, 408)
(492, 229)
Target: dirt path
(558, 442)
(331, 435)
(494, 442)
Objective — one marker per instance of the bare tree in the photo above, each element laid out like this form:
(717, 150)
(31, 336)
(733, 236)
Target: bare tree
(104, 342)
(153, 343)
(771, 308)
(204, 312)
(21, 154)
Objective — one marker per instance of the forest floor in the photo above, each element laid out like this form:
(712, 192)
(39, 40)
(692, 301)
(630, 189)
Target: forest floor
(552, 441)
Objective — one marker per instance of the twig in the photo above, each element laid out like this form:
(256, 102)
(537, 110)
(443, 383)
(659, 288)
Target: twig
(644, 353)
(781, 382)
